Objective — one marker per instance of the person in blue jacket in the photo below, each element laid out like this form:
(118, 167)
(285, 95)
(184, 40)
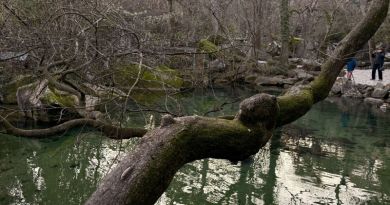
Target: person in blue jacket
(379, 60)
(351, 65)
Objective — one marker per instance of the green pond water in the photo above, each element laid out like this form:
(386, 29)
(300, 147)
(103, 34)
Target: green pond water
(338, 153)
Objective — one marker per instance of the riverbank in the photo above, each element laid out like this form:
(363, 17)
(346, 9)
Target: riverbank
(364, 77)
(373, 92)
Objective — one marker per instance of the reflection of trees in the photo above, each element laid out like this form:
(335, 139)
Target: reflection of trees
(55, 171)
(244, 189)
(17, 177)
(347, 166)
(270, 180)
(384, 181)
(201, 196)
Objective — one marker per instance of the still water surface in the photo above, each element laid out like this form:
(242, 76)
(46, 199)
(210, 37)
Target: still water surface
(338, 153)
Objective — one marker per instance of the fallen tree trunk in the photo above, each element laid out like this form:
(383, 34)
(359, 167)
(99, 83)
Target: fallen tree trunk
(142, 176)
(145, 174)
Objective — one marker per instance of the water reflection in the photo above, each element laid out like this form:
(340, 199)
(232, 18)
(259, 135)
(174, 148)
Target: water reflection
(339, 153)
(327, 157)
(61, 171)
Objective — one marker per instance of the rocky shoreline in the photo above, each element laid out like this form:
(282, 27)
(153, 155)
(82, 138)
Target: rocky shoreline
(375, 95)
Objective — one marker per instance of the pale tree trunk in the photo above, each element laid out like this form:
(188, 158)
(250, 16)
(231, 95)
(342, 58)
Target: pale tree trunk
(284, 32)
(371, 43)
(171, 29)
(257, 22)
(371, 50)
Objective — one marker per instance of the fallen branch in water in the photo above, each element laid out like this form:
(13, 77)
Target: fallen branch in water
(110, 131)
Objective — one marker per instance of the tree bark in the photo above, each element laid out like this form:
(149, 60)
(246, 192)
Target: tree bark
(285, 32)
(142, 176)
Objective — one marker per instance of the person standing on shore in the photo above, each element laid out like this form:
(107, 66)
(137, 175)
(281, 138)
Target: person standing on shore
(351, 65)
(379, 60)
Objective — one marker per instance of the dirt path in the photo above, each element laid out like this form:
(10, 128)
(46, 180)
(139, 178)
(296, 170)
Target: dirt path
(364, 76)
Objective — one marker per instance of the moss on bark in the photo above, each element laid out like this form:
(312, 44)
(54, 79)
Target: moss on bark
(208, 47)
(158, 78)
(65, 100)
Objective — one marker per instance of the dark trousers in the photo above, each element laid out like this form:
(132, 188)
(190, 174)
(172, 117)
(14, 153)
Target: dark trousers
(376, 67)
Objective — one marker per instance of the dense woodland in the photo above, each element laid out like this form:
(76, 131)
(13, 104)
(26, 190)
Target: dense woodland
(73, 63)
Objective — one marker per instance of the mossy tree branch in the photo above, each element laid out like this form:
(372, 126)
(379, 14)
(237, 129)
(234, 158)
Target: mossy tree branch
(144, 175)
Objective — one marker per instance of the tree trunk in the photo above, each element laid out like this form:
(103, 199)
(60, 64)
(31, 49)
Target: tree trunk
(144, 175)
(370, 51)
(171, 29)
(285, 32)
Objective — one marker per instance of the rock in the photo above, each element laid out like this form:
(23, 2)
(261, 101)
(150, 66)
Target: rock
(338, 86)
(352, 93)
(311, 65)
(305, 64)
(379, 85)
(387, 87)
(274, 48)
(373, 101)
(9, 89)
(125, 76)
(346, 88)
(260, 67)
(290, 81)
(250, 78)
(265, 81)
(167, 120)
(286, 86)
(342, 73)
(274, 81)
(28, 99)
(217, 66)
(91, 102)
(291, 73)
(302, 74)
(380, 93)
(336, 89)
(295, 60)
(362, 87)
(63, 99)
(368, 92)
